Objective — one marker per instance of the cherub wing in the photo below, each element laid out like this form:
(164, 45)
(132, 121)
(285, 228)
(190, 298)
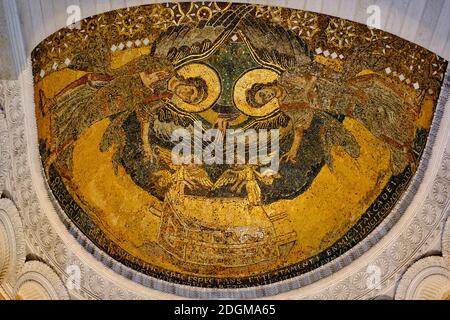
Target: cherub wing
(335, 134)
(179, 43)
(390, 113)
(199, 177)
(165, 156)
(163, 178)
(227, 178)
(268, 177)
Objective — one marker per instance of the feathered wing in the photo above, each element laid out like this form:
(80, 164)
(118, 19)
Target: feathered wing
(72, 113)
(115, 136)
(389, 114)
(275, 45)
(200, 177)
(99, 62)
(267, 180)
(163, 178)
(385, 108)
(82, 104)
(335, 134)
(164, 155)
(228, 177)
(178, 43)
(331, 89)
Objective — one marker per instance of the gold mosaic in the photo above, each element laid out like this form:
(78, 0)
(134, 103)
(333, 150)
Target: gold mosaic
(353, 107)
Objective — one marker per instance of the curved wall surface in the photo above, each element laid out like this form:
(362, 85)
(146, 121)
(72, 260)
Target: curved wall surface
(361, 192)
(351, 108)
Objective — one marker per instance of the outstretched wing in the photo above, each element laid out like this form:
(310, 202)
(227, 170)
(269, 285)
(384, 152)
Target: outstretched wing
(200, 177)
(389, 112)
(163, 178)
(275, 45)
(70, 111)
(388, 105)
(227, 178)
(98, 62)
(335, 134)
(180, 43)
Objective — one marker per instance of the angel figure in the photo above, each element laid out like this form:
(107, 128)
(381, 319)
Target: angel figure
(180, 177)
(246, 176)
(300, 101)
(380, 105)
(139, 87)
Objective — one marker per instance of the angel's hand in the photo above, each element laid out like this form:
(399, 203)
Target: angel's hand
(152, 78)
(163, 75)
(289, 157)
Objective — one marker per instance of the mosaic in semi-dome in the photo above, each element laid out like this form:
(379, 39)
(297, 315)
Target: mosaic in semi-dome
(349, 108)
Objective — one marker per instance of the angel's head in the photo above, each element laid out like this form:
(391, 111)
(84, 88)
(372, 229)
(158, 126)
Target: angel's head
(261, 94)
(192, 90)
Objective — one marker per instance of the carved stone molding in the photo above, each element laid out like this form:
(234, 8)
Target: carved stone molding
(5, 159)
(12, 242)
(39, 282)
(446, 232)
(427, 279)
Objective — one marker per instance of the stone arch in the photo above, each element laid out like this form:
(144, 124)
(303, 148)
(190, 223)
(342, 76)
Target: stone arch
(12, 242)
(39, 282)
(427, 279)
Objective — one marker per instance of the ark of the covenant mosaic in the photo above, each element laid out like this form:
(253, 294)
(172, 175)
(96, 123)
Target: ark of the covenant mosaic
(351, 106)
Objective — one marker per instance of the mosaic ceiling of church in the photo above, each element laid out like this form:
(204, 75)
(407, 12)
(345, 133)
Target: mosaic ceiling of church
(349, 106)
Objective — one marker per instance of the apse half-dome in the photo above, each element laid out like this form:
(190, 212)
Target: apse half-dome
(350, 108)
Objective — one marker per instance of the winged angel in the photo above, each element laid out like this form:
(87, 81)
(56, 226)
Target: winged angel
(142, 87)
(308, 91)
(179, 177)
(249, 177)
(370, 99)
(299, 90)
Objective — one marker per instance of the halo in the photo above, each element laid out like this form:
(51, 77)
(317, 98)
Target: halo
(263, 76)
(212, 80)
